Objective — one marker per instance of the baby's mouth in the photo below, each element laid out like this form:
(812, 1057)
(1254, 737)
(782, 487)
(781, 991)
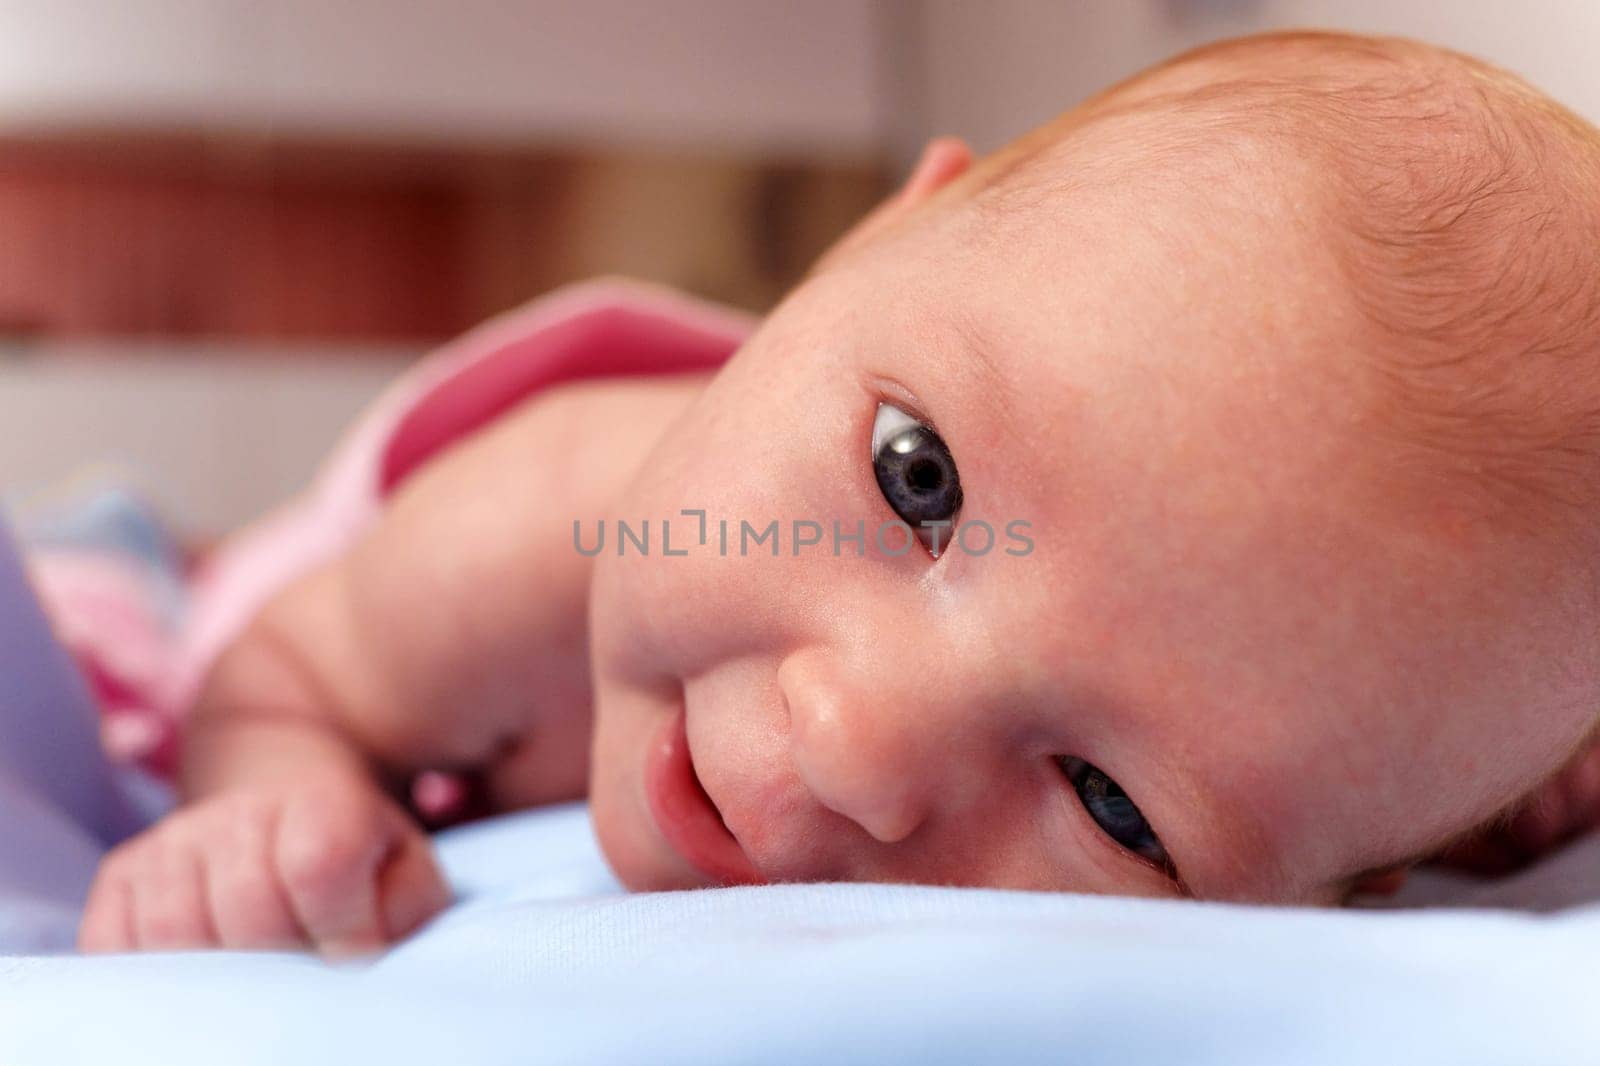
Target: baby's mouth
(684, 812)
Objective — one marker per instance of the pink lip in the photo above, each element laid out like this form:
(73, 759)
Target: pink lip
(684, 813)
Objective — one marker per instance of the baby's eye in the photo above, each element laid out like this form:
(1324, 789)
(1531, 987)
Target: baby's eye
(1112, 810)
(916, 473)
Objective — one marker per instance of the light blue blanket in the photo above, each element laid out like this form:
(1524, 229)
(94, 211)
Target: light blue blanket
(543, 960)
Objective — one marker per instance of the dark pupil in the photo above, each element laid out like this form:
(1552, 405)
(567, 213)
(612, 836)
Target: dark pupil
(918, 477)
(924, 475)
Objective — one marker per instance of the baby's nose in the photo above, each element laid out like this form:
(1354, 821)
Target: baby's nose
(864, 754)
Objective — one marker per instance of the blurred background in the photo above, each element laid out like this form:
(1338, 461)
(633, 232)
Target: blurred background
(224, 224)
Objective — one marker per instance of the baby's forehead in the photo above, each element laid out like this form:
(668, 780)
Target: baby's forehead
(1393, 203)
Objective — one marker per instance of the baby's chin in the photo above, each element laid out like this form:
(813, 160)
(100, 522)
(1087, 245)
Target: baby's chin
(626, 856)
(633, 848)
(638, 862)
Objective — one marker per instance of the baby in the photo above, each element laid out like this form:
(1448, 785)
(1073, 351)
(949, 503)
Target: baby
(1195, 498)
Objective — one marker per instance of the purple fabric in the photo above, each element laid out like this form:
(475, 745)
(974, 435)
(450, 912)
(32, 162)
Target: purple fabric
(60, 803)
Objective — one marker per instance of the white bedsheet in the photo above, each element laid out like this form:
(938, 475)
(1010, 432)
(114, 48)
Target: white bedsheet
(542, 962)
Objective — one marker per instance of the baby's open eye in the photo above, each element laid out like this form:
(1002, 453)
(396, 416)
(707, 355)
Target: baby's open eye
(1112, 810)
(917, 475)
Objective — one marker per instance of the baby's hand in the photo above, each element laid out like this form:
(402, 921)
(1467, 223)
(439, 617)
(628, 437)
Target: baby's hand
(330, 864)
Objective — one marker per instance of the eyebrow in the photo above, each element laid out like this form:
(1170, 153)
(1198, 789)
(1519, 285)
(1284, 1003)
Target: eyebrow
(1501, 818)
(979, 362)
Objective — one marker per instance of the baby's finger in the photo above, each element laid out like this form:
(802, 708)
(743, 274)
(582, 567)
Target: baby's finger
(107, 916)
(329, 864)
(249, 906)
(170, 912)
(410, 887)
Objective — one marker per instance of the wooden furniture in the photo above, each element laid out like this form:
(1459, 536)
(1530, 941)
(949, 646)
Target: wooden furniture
(233, 237)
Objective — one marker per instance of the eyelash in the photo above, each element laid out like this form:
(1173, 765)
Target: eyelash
(1078, 772)
(882, 389)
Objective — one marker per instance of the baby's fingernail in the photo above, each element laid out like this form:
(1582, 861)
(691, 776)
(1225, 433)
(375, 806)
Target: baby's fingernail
(350, 948)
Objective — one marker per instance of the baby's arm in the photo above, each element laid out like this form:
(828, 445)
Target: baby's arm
(453, 636)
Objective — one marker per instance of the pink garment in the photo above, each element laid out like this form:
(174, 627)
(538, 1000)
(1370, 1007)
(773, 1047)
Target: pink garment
(145, 643)
(104, 609)
(601, 328)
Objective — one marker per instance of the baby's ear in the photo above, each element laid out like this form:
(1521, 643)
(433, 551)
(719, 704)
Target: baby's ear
(943, 160)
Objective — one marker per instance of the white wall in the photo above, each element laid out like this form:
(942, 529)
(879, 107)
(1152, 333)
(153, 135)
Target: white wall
(992, 70)
(742, 74)
(830, 76)
(213, 437)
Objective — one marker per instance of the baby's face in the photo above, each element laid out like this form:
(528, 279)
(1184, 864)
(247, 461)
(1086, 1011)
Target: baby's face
(1219, 645)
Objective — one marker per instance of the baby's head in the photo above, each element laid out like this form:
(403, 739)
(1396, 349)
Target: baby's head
(1273, 376)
